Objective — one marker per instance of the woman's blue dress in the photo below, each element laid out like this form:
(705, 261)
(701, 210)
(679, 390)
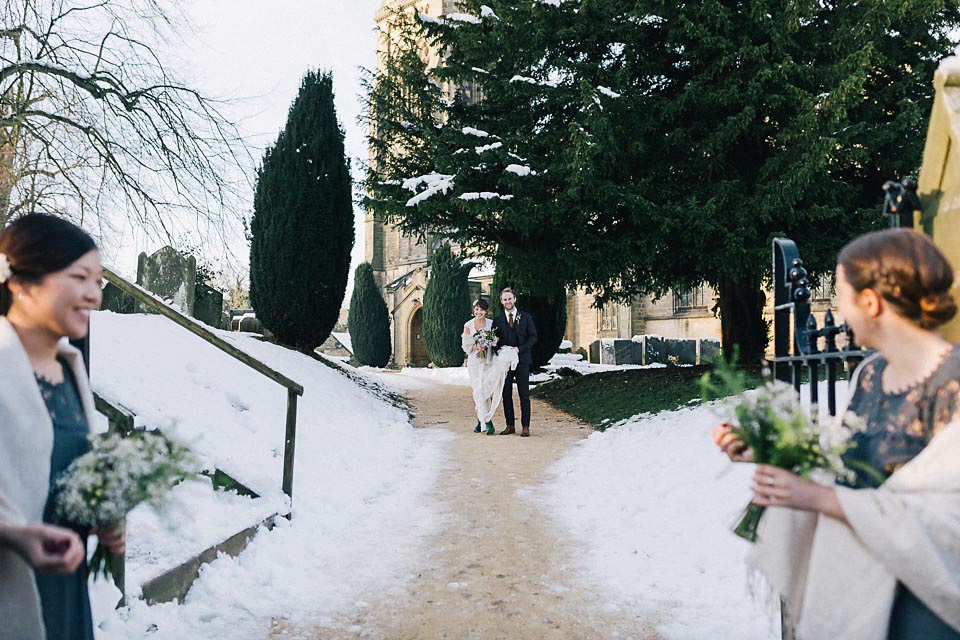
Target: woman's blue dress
(898, 426)
(64, 598)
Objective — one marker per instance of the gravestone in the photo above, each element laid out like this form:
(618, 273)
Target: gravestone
(709, 350)
(684, 351)
(250, 324)
(595, 352)
(114, 299)
(208, 305)
(608, 353)
(623, 352)
(655, 350)
(171, 276)
(637, 345)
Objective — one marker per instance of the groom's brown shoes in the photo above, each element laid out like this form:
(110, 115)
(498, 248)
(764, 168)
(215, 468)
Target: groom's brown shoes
(509, 431)
(525, 432)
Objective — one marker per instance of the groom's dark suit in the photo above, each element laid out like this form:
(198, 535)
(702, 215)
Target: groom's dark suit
(523, 335)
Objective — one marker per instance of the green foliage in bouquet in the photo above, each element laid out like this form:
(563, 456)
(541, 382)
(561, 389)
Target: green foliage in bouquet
(772, 422)
(120, 472)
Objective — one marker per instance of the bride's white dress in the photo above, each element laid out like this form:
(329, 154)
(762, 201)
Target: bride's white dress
(487, 378)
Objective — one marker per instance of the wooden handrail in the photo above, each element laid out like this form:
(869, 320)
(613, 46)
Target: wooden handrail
(161, 307)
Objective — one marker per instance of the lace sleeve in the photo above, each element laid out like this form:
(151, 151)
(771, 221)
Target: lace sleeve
(946, 407)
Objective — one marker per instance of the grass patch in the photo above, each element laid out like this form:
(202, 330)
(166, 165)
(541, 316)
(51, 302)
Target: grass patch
(602, 399)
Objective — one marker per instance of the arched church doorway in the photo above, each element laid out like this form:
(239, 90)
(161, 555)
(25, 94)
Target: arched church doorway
(418, 348)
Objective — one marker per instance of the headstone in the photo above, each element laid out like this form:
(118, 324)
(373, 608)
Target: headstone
(171, 276)
(655, 351)
(208, 305)
(608, 353)
(681, 351)
(565, 347)
(623, 352)
(636, 344)
(709, 350)
(250, 324)
(114, 299)
(595, 352)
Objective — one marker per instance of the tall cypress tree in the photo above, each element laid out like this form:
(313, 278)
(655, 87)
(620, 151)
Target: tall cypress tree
(446, 306)
(369, 320)
(302, 227)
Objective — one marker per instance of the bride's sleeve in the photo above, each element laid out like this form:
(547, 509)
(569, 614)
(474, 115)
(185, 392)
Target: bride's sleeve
(466, 340)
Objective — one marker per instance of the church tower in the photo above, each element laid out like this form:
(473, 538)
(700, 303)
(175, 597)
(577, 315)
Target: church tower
(399, 261)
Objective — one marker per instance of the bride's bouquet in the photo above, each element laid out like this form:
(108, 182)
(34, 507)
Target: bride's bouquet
(771, 421)
(487, 339)
(100, 487)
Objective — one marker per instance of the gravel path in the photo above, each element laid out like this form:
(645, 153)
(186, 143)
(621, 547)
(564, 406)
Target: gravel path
(498, 569)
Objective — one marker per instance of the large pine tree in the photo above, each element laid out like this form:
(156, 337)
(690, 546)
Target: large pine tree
(446, 306)
(368, 321)
(302, 227)
(634, 147)
(545, 301)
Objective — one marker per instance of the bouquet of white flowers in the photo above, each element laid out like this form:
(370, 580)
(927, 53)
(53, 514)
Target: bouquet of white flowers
(100, 487)
(487, 339)
(771, 422)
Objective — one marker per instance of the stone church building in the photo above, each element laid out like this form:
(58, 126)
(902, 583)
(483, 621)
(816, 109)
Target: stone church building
(400, 267)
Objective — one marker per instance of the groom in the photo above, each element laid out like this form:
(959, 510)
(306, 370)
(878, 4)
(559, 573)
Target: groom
(516, 329)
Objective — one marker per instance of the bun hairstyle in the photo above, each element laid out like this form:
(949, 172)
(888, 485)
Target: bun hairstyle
(39, 244)
(907, 270)
(483, 304)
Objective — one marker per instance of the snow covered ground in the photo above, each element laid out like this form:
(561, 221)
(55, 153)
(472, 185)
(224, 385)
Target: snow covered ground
(651, 503)
(362, 472)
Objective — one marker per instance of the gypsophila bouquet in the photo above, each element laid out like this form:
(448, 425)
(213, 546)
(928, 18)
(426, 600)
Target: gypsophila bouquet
(486, 338)
(120, 472)
(771, 421)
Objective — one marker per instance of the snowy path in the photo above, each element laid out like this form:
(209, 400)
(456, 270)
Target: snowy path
(498, 569)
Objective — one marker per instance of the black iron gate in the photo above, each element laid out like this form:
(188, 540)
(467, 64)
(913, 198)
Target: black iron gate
(796, 335)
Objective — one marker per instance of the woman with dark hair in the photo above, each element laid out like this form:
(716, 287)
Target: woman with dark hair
(878, 559)
(50, 279)
(478, 362)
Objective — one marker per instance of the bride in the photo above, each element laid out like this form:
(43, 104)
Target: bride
(487, 371)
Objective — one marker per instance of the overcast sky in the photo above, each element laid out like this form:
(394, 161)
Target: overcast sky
(255, 52)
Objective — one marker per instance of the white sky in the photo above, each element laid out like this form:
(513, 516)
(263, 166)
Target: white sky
(254, 53)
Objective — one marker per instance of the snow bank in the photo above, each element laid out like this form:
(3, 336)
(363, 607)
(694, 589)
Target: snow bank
(652, 502)
(362, 474)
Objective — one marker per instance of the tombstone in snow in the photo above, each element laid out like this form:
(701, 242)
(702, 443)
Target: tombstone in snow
(114, 299)
(709, 350)
(595, 352)
(623, 352)
(565, 347)
(637, 346)
(681, 351)
(655, 350)
(171, 276)
(208, 305)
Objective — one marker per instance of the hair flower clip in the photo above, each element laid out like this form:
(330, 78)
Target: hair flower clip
(5, 270)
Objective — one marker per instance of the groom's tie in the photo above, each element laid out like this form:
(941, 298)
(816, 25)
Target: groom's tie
(510, 319)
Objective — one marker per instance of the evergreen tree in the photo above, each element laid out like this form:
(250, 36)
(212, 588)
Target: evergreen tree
(631, 148)
(546, 302)
(369, 320)
(302, 227)
(446, 306)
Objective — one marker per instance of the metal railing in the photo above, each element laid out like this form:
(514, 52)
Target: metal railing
(796, 335)
(154, 303)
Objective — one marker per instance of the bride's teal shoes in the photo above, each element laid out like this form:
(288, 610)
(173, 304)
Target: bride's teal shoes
(477, 428)
(490, 430)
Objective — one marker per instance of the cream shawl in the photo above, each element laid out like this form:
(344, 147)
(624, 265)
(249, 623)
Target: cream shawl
(27, 444)
(841, 579)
